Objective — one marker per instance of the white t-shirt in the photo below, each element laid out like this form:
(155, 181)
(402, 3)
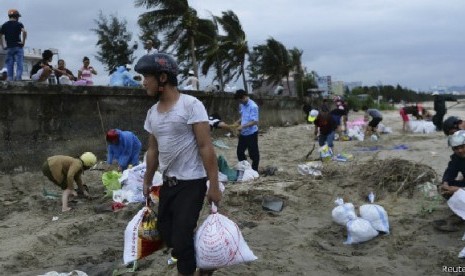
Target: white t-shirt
(177, 146)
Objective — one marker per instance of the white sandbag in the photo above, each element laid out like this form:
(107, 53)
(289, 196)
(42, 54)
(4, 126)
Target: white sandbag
(376, 215)
(359, 230)
(342, 212)
(219, 243)
(457, 203)
(72, 273)
(421, 126)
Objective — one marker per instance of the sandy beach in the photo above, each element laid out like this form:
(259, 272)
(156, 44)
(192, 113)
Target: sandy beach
(302, 239)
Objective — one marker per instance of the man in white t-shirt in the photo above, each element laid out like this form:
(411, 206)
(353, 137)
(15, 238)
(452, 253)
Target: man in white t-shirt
(180, 146)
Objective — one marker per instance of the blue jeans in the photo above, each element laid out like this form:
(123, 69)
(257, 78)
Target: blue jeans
(326, 139)
(15, 54)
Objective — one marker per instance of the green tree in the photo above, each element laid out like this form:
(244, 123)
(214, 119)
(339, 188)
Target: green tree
(178, 21)
(113, 41)
(275, 62)
(236, 46)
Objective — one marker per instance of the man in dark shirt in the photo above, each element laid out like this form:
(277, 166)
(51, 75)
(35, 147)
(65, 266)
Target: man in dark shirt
(440, 108)
(14, 34)
(326, 124)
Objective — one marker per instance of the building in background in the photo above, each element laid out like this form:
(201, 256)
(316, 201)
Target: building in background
(324, 84)
(337, 87)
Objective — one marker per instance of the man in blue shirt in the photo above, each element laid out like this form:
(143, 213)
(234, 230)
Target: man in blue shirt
(124, 146)
(11, 31)
(248, 127)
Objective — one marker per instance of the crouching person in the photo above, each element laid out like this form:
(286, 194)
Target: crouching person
(63, 171)
(450, 184)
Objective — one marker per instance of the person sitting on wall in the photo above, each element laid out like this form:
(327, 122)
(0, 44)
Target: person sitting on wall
(42, 70)
(121, 77)
(63, 74)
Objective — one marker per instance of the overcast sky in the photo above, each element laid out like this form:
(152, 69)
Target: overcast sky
(415, 43)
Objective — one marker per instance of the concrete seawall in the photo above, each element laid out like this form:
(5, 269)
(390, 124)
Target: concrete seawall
(41, 120)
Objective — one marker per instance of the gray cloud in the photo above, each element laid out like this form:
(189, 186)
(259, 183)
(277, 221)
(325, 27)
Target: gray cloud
(416, 43)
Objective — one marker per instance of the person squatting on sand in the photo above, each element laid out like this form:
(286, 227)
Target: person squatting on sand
(63, 171)
(376, 118)
(248, 128)
(124, 147)
(180, 146)
(456, 165)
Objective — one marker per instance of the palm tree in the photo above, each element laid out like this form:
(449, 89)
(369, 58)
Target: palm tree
(296, 65)
(276, 62)
(235, 43)
(211, 50)
(177, 20)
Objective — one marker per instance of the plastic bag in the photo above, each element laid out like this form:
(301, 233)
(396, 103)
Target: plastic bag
(457, 203)
(219, 243)
(110, 181)
(375, 214)
(325, 153)
(224, 168)
(148, 226)
(342, 212)
(359, 230)
(135, 247)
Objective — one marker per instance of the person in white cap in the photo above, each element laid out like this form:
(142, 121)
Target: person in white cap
(63, 171)
(192, 80)
(14, 33)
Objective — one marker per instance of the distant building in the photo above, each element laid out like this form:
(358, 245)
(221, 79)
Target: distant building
(31, 57)
(337, 87)
(324, 84)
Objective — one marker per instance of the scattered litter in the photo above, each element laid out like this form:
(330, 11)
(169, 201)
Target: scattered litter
(172, 261)
(220, 144)
(311, 168)
(271, 203)
(54, 218)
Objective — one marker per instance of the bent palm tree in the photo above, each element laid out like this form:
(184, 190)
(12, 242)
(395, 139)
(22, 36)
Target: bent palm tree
(235, 43)
(177, 20)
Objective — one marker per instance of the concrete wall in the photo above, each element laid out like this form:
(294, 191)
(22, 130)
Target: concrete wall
(41, 120)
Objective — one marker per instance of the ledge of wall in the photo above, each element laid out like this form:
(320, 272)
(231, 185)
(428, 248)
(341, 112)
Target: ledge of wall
(39, 120)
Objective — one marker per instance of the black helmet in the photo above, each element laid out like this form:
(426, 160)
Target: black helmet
(157, 63)
(450, 123)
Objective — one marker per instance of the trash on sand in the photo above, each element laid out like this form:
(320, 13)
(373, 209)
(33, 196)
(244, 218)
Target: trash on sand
(271, 203)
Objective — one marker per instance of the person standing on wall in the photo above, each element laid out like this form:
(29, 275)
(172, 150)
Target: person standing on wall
(14, 33)
(179, 145)
(248, 127)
